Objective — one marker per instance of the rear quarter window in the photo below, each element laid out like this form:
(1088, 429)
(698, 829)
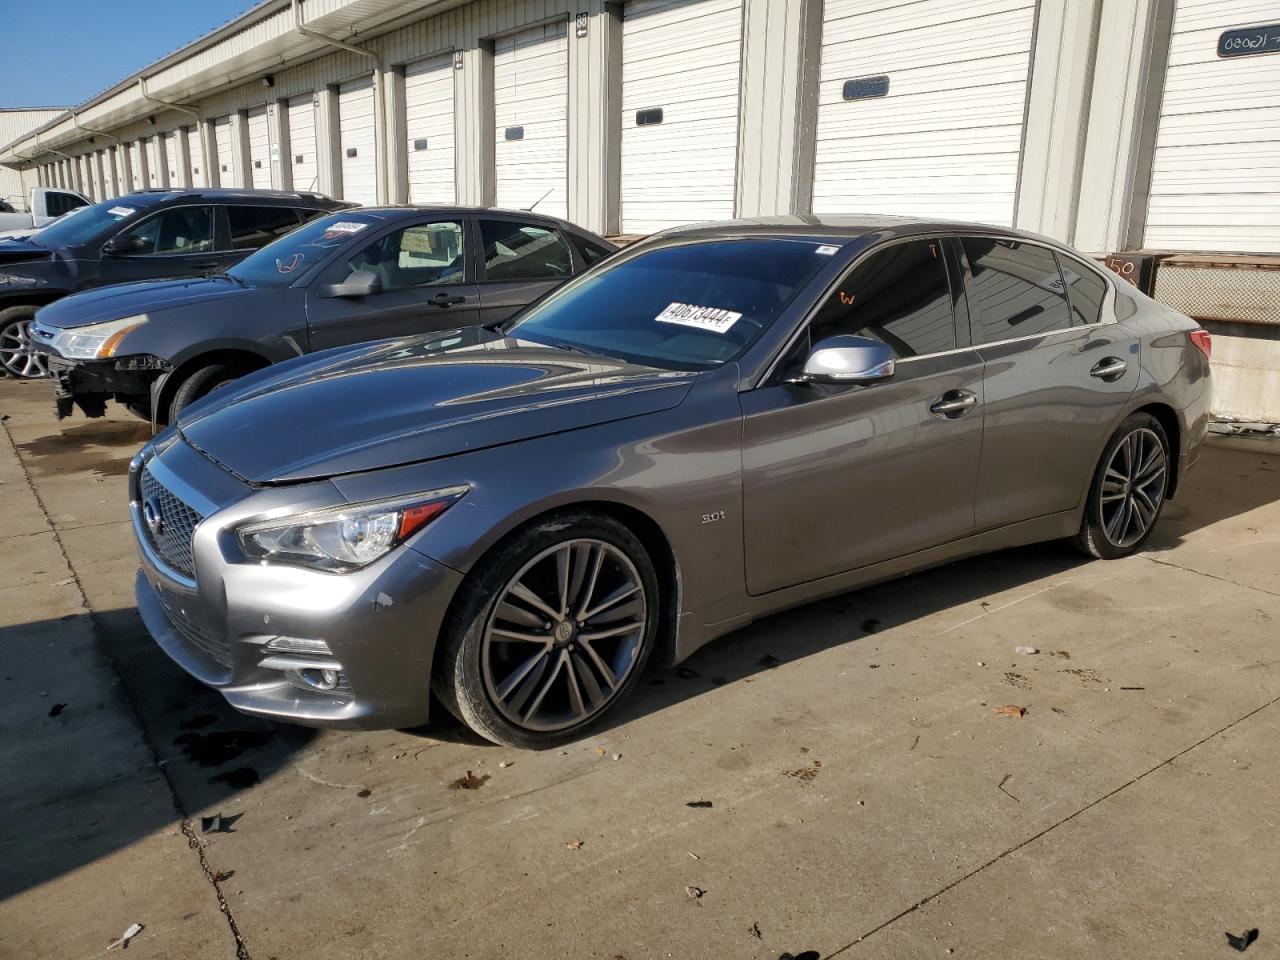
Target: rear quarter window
(1085, 289)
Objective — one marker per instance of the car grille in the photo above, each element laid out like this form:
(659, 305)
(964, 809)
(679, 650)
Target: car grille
(216, 648)
(178, 525)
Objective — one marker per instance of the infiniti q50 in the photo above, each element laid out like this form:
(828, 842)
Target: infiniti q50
(711, 425)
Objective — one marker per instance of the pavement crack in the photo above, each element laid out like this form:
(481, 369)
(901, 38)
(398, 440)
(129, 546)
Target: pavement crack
(242, 950)
(1049, 829)
(1211, 576)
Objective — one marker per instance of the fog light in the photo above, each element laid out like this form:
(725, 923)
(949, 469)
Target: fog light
(319, 679)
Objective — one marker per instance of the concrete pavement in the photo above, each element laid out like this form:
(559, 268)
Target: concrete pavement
(867, 800)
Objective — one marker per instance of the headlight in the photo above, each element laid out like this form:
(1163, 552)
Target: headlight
(97, 341)
(346, 538)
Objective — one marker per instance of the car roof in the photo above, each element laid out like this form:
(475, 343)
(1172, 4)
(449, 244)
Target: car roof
(224, 194)
(840, 228)
(393, 211)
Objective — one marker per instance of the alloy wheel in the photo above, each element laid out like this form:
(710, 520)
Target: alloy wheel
(564, 635)
(16, 354)
(1133, 487)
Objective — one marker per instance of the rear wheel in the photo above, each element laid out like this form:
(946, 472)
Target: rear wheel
(552, 632)
(1128, 490)
(200, 384)
(17, 358)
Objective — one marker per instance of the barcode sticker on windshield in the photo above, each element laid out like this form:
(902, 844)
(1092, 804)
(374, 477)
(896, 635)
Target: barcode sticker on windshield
(827, 250)
(121, 211)
(345, 226)
(712, 319)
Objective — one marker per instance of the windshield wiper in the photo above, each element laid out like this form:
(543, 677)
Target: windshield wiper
(227, 276)
(570, 347)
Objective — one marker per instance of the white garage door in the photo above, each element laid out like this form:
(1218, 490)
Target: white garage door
(531, 107)
(946, 139)
(133, 151)
(301, 154)
(222, 141)
(358, 141)
(198, 173)
(1215, 179)
(680, 65)
(259, 149)
(157, 171)
(428, 107)
(178, 176)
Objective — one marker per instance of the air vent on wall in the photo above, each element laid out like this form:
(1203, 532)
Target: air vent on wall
(351, 151)
(257, 164)
(513, 133)
(420, 144)
(649, 117)
(865, 88)
(298, 159)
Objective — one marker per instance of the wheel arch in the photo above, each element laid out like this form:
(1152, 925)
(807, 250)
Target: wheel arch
(1172, 426)
(244, 358)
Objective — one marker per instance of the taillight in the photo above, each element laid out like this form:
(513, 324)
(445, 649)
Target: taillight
(1203, 342)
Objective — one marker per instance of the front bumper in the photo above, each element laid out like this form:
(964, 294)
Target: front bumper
(378, 625)
(89, 384)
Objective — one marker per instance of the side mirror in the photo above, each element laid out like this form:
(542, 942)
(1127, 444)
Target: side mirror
(121, 245)
(847, 360)
(361, 283)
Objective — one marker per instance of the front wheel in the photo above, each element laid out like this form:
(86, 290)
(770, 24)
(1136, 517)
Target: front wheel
(199, 384)
(551, 632)
(17, 357)
(1128, 490)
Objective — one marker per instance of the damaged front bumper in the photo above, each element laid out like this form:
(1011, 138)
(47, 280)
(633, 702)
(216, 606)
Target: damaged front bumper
(89, 384)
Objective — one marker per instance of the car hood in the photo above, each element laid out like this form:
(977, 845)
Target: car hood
(99, 304)
(17, 250)
(403, 401)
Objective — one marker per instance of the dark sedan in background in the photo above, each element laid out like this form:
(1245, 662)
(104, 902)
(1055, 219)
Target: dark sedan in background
(363, 274)
(141, 236)
(713, 425)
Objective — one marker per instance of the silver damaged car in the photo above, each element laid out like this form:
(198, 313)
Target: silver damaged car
(709, 426)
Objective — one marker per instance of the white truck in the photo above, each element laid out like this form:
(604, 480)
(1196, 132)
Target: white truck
(47, 204)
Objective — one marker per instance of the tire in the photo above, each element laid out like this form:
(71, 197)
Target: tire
(541, 671)
(16, 360)
(200, 384)
(1122, 510)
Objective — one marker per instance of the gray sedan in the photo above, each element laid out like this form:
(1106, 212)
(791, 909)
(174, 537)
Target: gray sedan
(710, 426)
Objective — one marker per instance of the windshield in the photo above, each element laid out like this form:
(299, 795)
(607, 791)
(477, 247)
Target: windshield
(84, 223)
(691, 306)
(282, 261)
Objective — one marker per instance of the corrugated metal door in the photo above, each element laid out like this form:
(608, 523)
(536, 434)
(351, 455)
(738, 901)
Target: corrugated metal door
(946, 139)
(259, 149)
(1215, 179)
(531, 117)
(222, 147)
(199, 176)
(178, 174)
(138, 164)
(680, 67)
(301, 154)
(358, 141)
(157, 171)
(428, 107)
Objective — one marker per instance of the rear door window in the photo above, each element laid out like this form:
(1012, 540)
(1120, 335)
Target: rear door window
(523, 251)
(1015, 289)
(1085, 289)
(254, 227)
(177, 230)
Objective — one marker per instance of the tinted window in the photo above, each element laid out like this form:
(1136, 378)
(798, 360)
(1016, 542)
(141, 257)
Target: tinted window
(1085, 289)
(694, 305)
(283, 261)
(591, 252)
(521, 251)
(56, 204)
(254, 227)
(177, 230)
(899, 296)
(422, 255)
(1015, 290)
(85, 223)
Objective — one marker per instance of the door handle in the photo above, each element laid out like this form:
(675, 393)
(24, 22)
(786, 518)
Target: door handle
(953, 404)
(445, 300)
(1109, 368)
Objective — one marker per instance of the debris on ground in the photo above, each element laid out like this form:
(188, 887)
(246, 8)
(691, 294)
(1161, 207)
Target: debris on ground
(694, 893)
(600, 751)
(694, 855)
(768, 661)
(914, 743)
(1242, 942)
(57, 709)
(874, 666)
(136, 928)
(699, 804)
(574, 844)
(1063, 654)
(617, 756)
(1133, 688)
(503, 764)
(221, 876)
(469, 782)
(870, 625)
(1024, 651)
(1011, 710)
(364, 793)
(804, 774)
(755, 931)
(1000, 786)
(218, 823)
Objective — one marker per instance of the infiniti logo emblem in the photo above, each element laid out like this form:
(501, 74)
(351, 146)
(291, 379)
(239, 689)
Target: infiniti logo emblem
(153, 517)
